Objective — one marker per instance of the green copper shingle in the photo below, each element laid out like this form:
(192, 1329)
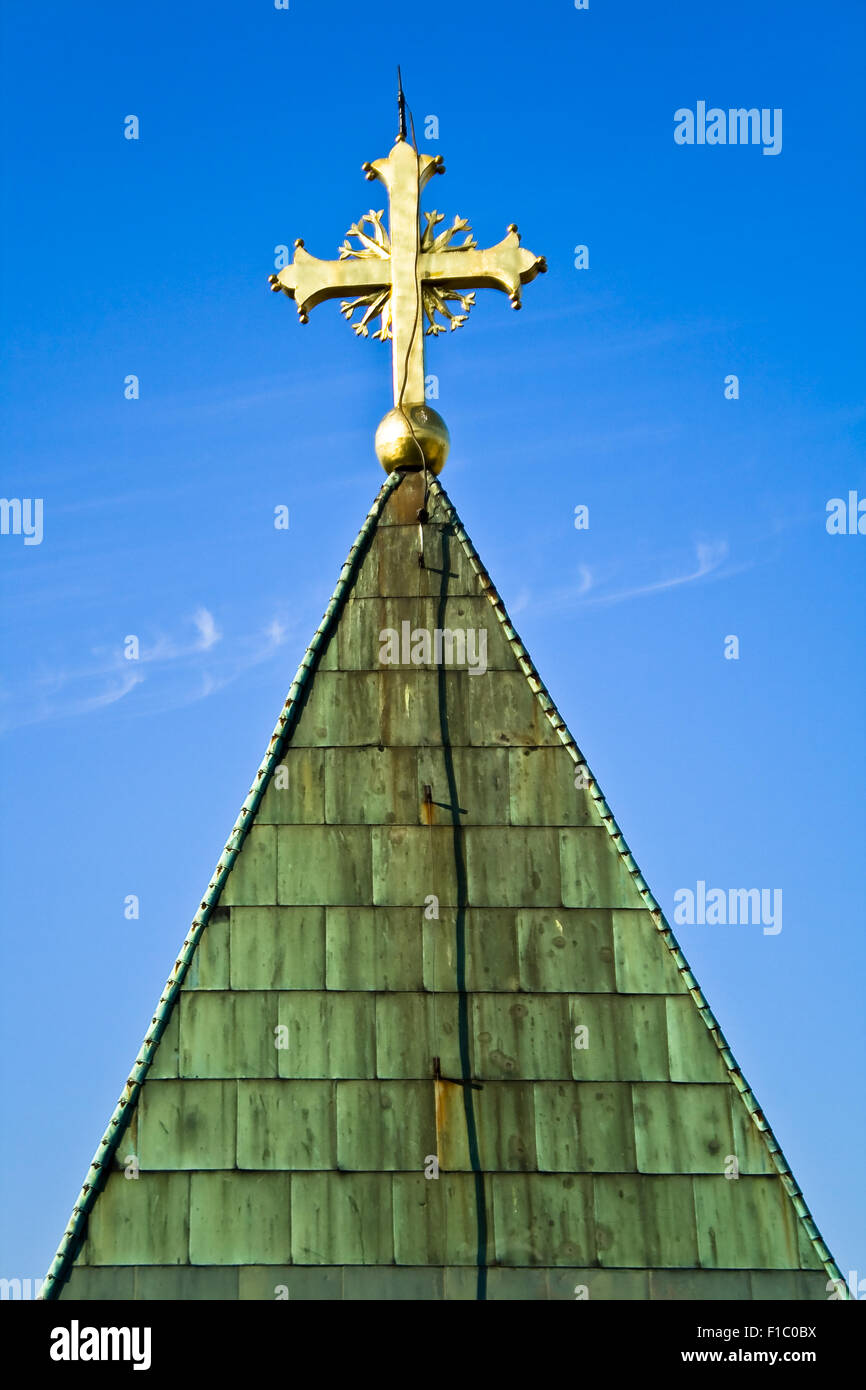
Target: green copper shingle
(541, 785)
(286, 1125)
(412, 862)
(412, 1029)
(173, 1283)
(209, 967)
(543, 1219)
(88, 1283)
(323, 864)
(491, 957)
(227, 1034)
(690, 1058)
(371, 786)
(342, 1218)
(682, 1129)
(385, 1126)
(296, 793)
(277, 948)
(645, 1222)
(374, 948)
(410, 710)
(521, 1036)
(591, 875)
(505, 711)
(744, 1221)
(289, 1283)
(435, 1220)
(644, 965)
(187, 1125)
(141, 1221)
(565, 949)
(510, 867)
(327, 1035)
(618, 1037)
(481, 775)
(584, 1127)
(239, 1218)
(253, 880)
(342, 708)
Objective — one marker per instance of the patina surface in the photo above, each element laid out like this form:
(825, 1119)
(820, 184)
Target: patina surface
(411, 1038)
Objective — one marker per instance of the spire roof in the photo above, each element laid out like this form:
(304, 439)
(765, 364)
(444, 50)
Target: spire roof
(427, 949)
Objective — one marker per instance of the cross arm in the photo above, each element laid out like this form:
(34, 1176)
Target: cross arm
(506, 266)
(310, 281)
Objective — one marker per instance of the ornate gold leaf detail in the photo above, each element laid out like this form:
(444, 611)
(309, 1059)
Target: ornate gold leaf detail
(374, 244)
(434, 298)
(377, 302)
(442, 242)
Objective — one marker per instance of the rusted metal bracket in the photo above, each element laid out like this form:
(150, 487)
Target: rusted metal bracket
(453, 1080)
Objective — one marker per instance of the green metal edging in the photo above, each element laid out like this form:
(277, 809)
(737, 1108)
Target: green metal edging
(547, 704)
(100, 1165)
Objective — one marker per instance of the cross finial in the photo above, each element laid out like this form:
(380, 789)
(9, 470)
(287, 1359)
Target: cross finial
(403, 276)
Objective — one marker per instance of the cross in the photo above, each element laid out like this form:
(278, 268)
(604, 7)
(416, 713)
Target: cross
(398, 274)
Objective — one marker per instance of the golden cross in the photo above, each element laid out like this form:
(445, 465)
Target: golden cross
(396, 277)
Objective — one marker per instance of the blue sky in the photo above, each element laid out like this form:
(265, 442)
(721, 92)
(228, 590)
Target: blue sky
(707, 515)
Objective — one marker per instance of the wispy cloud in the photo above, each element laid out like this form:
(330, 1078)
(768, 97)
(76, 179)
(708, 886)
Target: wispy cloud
(207, 629)
(586, 580)
(111, 695)
(709, 559)
(248, 652)
(167, 670)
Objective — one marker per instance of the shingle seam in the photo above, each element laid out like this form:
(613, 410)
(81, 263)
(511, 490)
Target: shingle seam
(539, 689)
(100, 1165)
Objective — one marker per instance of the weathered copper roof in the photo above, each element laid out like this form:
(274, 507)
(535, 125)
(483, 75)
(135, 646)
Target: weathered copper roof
(324, 1035)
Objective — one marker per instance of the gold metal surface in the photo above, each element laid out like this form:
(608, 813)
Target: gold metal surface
(408, 279)
(411, 437)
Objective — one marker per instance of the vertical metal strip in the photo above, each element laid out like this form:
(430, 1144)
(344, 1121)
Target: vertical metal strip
(462, 900)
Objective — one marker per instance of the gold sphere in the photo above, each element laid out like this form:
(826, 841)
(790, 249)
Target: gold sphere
(411, 437)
